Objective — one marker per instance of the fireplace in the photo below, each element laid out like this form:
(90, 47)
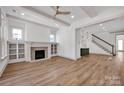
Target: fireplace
(39, 54)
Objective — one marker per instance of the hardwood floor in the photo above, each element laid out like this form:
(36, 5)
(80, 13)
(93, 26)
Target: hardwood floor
(90, 70)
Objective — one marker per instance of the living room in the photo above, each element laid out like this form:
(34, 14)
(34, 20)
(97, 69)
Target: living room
(62, 45)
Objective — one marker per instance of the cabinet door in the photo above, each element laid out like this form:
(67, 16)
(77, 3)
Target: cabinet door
(12, 51)
(52, 48)
(55, 48)
(21, 51)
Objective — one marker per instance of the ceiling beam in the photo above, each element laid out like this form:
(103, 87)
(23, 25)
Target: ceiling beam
(89, 10)
(121, 31)
(18, 18)
(46, 15)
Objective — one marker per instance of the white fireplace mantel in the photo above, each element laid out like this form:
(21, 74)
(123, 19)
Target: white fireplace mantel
(29, 45)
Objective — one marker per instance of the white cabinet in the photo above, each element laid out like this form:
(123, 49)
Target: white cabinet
(53, 49)
(16, 52)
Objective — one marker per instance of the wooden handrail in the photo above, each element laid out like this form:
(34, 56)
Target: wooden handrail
(102, 40)
(106, 43)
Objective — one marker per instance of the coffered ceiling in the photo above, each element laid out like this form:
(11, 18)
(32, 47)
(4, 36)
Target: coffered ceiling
(45, 14)
(76, 12)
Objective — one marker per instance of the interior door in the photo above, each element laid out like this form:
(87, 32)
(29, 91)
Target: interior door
(120, 45)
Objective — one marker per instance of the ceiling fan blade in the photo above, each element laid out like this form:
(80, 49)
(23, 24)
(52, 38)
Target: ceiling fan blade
(58, 12)
(66, 13)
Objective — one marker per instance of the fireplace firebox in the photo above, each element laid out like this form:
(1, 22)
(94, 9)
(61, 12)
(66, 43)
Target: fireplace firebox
(39, 54)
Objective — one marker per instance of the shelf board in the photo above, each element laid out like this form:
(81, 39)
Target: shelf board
(20, 48)
(21, 53)
(12, 48)
(12, 54)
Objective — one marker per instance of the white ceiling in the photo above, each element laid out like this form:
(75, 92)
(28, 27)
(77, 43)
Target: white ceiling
(115, 26)
(82, 12)
(44, 15)
(75, 11)
(16, 11)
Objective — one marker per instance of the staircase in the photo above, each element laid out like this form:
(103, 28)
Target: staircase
(106, 46)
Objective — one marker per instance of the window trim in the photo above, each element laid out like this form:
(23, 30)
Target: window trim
(13, 34)
(121, 46)
(3, 40)
(16, 27)
(54, 38)
(0, 44)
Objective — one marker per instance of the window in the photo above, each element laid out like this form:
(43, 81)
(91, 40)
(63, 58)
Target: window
(120, 44)
(3, 36)
(17, 34)
(52, 38)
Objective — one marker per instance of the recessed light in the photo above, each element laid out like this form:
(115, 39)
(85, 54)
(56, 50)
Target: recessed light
(100, 24)
(57, 25)
(104, 28)
(72, 16)
(22, 13)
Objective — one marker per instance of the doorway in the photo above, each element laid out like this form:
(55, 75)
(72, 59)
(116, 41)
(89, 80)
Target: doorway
(120, 43)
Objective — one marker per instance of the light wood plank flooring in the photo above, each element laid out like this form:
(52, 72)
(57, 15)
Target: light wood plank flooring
(89, 70)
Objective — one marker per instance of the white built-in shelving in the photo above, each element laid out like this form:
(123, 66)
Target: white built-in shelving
(53, 49)
(16, 52)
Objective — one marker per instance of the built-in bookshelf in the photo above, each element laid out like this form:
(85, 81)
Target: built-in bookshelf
(53, 49)
(16, 51)
(12, 51)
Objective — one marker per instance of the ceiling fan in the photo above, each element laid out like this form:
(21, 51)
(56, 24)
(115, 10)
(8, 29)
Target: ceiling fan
(59, 12)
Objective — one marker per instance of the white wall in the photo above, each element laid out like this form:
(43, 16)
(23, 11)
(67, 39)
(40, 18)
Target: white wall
(96, 50)
(32, 31)
(66, 39)
(70, 44)
(37, 33)
(3, 27)
(120, 37)
(86, 40)
(69, 41)
(109, 37)
(78, 42)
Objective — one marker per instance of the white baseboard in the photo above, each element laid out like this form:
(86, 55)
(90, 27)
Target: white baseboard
(5, 62)
(16, 61)
(68, 58)
(102, 54)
